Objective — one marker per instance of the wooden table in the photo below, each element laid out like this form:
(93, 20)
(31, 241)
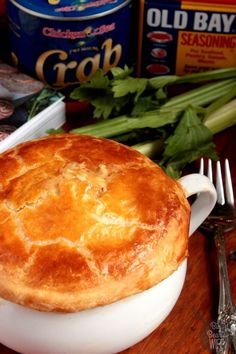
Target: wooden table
(187, 329)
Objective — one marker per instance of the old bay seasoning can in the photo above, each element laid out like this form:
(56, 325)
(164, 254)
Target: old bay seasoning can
(186, 36)
(64, 42)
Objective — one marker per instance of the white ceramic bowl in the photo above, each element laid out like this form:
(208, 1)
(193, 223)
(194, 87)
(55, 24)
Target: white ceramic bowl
(111, 328)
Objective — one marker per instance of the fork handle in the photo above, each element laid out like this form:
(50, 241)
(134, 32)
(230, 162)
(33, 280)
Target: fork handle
(226, 310)
(225, 299)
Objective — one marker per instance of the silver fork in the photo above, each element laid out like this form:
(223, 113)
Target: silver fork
(222, 219)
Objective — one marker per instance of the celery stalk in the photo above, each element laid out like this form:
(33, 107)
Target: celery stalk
(149, 148)
(208, 75)
(191, 78)
(203, 95)
(220, 102)
(222, 118)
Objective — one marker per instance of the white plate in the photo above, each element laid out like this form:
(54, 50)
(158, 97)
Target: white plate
(52, 117)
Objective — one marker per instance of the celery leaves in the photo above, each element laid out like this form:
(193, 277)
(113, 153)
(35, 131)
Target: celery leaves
(122, 88)
(190, 140)
(189, 134)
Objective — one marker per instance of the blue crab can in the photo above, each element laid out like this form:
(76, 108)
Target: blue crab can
(62, 43)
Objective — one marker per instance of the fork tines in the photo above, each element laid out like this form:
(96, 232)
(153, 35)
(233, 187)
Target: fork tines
(219, 180)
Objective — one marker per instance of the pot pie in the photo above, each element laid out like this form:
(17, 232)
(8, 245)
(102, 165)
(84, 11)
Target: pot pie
(84, 222)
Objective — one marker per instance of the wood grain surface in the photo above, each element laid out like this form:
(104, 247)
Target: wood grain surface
(188, 328)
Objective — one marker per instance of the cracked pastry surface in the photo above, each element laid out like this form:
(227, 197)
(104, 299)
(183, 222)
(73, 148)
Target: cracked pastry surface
(85, 222)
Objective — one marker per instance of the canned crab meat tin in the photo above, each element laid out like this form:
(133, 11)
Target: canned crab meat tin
(64, 42)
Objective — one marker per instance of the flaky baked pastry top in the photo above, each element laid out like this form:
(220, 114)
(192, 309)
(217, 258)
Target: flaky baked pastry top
(85, 222)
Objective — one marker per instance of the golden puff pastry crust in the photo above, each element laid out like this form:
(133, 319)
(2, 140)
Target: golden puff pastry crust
(85, 222)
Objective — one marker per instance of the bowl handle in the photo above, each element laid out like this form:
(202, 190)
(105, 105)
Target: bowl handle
(205, 201)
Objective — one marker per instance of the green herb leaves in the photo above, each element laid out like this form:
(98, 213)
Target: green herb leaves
(41, 101)
(190, 140)
(121, 88)
(111, 97)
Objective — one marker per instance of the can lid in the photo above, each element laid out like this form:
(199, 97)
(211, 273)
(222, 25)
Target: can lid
(69, 9)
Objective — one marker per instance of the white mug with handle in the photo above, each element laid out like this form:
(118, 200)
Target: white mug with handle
(206, 199)
(111, 328)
